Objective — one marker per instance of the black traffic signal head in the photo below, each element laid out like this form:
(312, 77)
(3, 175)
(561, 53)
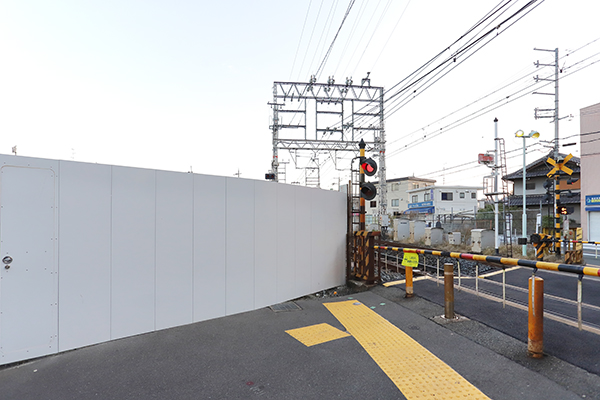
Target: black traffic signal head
(369, 166)
(548, 184)
(270, 176)
(368, 191)
(563, 210)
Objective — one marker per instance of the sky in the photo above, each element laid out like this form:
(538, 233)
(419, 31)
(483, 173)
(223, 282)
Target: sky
(183, 85)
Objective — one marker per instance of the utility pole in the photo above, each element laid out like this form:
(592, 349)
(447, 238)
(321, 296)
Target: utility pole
(552, 113)
(495, 174)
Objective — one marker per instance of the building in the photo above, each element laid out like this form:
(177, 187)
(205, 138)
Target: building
(397, 196)
(435, 203)
(590, 160)
(537, 201)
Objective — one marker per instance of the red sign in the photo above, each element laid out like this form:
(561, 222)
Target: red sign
(485, 158)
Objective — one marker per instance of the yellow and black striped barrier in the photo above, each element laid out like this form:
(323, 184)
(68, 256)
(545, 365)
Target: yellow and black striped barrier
(364, 265)
(574, 269)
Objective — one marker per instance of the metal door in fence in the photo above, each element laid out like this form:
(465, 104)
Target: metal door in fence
(28, 276)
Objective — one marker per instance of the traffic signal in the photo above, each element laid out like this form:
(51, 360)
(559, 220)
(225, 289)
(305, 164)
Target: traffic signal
(368, 191)
(270, 176)
(563, 210)
(369, 166)
(548, 185)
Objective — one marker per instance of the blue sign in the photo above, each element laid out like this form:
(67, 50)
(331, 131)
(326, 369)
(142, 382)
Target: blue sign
(592, 200)
(421, 204)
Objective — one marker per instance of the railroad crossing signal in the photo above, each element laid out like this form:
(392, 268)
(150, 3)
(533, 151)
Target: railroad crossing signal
(559, 166)
(368, 191)
(369, 166)
(562, 210)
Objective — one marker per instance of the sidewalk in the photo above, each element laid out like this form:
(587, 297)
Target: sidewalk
(250, 354)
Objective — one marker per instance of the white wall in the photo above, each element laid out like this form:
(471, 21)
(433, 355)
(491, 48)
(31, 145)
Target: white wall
(140, 250)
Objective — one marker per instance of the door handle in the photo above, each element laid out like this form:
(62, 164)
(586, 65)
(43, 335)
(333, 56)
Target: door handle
(7, 260)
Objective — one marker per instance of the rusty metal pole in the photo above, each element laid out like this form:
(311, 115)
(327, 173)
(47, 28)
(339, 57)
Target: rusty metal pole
(449, 290)
(535, 336)
(409, 281)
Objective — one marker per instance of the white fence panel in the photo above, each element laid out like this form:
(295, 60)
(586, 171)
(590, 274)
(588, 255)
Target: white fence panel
(133, 251)
(303, 242)
(240, 245)
(265, 233)
(285, 245)
(140, 250)
(210, 239)
(174, 251)
(85, 249)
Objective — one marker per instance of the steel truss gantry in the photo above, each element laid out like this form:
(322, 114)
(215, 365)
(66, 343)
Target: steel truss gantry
(317, 117)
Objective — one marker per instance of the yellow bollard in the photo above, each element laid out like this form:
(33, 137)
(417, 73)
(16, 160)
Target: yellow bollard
(408, 272)
(535, 336)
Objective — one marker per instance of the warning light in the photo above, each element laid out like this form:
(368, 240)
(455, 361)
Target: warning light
(563, 210)
(369, 166)
(368, 191)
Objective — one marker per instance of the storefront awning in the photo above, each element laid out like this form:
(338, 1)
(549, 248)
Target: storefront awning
(420, 210)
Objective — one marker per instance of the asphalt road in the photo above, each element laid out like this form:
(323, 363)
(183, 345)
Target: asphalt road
(250, 355)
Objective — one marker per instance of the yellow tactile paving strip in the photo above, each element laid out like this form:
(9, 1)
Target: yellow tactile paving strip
(414, 370)
(316, 334)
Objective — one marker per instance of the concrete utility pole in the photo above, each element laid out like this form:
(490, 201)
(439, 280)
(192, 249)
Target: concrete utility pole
(495, 174)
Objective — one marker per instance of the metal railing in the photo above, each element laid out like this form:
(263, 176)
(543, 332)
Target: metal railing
(535, 325)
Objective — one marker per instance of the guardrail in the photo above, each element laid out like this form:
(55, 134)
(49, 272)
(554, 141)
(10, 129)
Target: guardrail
(586, 242)
(575, 269)
(536, 286)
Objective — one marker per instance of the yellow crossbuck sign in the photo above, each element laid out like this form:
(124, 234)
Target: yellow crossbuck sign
(559, 166)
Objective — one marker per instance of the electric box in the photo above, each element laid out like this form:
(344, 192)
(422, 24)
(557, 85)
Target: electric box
(434, 236)
(481, 239)
(417, 230)
(454, 238)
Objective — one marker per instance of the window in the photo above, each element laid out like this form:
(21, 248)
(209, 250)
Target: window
(530, 186)
(473, 195)
(462, 195)
(447, 196)
(373, 204)
(395, 203)
(415, 185)
(426, 196)
(394, 187)
(415, 198)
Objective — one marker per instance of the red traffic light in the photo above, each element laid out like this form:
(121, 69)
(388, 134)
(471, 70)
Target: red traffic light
(369, 166)
(368, 191)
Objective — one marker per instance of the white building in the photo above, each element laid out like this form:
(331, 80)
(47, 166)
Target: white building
(397, 196)
(590, 184)
(434, 202)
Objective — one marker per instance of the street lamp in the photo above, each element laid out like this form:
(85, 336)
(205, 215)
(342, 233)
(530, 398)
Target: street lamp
(521, 134)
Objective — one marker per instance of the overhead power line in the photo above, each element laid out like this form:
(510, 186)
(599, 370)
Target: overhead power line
(334, 38)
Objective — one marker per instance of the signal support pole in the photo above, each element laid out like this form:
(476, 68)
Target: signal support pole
(361, 181)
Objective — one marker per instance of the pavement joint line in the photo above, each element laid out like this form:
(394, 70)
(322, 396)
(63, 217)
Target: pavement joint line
(412, 368)
(497, 272)
(400, 282)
